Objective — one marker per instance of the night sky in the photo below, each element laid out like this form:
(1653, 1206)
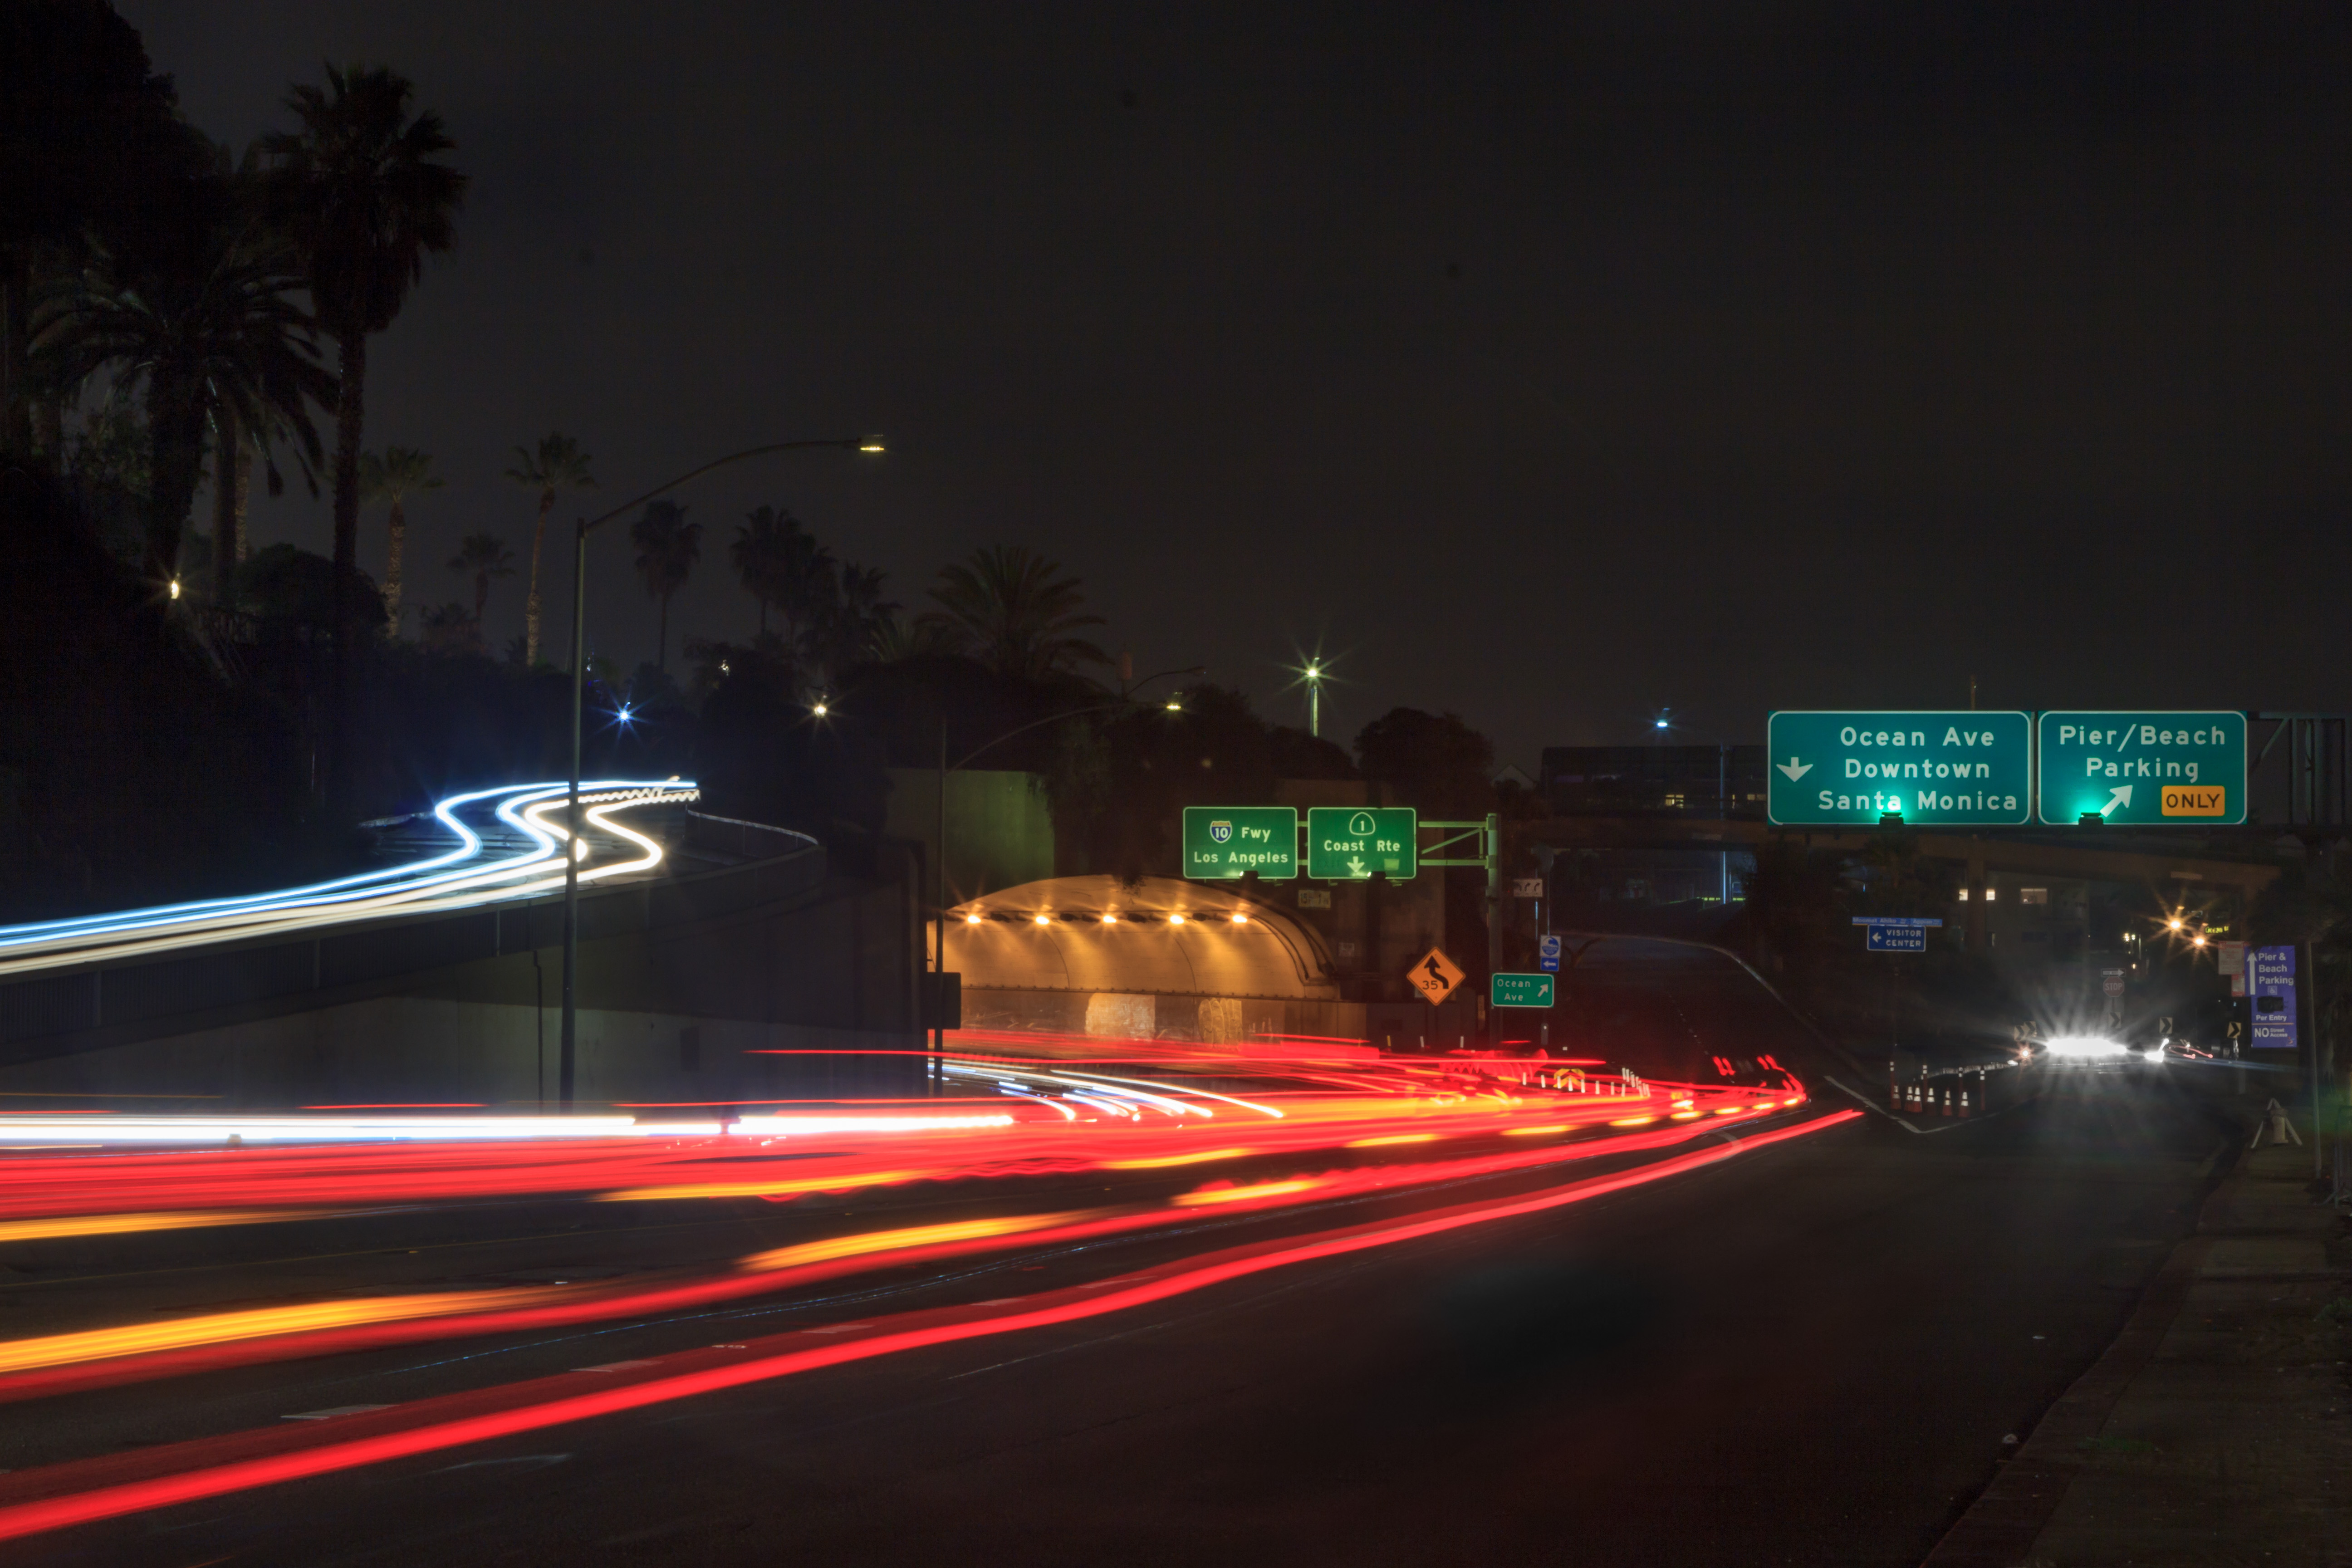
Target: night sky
(1550, 365)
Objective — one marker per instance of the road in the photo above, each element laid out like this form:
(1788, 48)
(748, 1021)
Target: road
(1807, 1352)
(491, 845)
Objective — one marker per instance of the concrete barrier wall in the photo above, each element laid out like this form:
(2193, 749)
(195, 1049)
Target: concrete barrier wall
(679, 981)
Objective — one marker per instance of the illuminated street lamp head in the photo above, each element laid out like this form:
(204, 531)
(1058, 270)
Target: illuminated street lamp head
(175, 588)
(819, 710)
(624, 714)
(2173, 924)
(1174, 706)
(871, 444)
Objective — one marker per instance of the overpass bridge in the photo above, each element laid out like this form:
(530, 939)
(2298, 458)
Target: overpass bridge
(704, 945)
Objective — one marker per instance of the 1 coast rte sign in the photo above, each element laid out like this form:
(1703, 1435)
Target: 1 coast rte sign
(2179, 770)
(1933, 768)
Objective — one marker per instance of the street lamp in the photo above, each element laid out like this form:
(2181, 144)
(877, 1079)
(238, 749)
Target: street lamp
(1315, 697)
(567, 1058)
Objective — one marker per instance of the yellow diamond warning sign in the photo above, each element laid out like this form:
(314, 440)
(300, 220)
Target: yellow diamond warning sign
(1434, 976)
(2196, 800)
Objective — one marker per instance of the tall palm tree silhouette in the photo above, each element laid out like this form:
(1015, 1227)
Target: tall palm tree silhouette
(485, 555)
(399, 473)
(668, 548)
(557, 466)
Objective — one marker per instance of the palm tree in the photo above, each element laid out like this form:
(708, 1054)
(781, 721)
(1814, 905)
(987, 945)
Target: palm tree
(485, 555)
(668, 548)
(364, 199)
(558, 466)
(202, 317)
(400, 473)
(1011, 609)
(784, 567)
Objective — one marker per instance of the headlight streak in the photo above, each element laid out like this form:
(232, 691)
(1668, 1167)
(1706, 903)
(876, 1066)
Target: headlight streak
(621, 1160)
(134, 1352)
(166, 1475)
(423, 884)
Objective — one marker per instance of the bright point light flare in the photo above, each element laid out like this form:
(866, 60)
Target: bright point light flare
(2085, 1045)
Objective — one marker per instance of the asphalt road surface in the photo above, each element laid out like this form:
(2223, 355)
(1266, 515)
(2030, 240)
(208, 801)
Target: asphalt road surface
(1808, 1354)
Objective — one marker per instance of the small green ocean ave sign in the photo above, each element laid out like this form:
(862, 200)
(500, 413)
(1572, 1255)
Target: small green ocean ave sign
(1932, 767)
(1223, 842)
(1353, 843)
(1520, 990)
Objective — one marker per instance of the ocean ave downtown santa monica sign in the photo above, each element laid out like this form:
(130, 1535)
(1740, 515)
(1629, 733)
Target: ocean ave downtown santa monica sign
(2145, 769)
(1940, 768)
(1351, 844)
(1223, 842)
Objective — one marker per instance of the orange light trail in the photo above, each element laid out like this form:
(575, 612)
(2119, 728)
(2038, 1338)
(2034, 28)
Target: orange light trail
(79, 1493)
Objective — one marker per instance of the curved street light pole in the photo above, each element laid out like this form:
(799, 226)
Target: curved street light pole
(939, 871)
(567, 1058)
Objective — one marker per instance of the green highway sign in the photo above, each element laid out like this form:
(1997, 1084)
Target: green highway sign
(1520, 990)
(1222, 842)
(1940, 768)
(1349, 844)
(2150, 770)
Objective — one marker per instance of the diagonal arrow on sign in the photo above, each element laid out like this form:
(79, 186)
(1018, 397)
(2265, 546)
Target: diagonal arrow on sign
(2119, 795)
(1794, 769)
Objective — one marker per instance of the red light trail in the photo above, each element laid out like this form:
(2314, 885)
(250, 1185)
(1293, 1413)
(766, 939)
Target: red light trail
(79, 1493)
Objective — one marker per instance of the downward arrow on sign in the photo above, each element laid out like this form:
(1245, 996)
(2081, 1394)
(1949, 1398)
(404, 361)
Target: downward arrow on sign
(2119, 795)
(1794, 769)
(1355, 866)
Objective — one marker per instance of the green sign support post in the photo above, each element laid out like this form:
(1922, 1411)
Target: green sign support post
(1936, 768)
(1353, 843)
(2147, 770)
(1520, 990)
(1223, 842)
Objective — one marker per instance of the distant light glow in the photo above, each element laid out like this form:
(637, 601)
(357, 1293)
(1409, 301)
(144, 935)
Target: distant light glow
(1043, 920)
(2085, 1045)
(1175, 920)
(175, 587)
(819, 710)
(1239, 919)
(972, 920)
(1110, 920)
(871, 444)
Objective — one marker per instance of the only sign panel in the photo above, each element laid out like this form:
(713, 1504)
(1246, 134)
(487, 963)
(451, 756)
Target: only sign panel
(1353, 843)
(1940, 768)
(1222, 842)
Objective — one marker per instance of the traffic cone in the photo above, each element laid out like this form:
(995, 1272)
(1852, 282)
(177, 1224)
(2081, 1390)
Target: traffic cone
(2275, 1123)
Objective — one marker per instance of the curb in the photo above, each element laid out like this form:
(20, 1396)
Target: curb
(1997, 1530)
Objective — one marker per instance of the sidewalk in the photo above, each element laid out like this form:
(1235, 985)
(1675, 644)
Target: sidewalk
(2217, 1430)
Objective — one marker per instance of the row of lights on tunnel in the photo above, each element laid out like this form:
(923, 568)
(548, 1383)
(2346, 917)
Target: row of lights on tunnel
(1044, 918)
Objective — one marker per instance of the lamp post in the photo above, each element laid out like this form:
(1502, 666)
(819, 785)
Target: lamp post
(567, 1056)
(1315, 697)
(939, 870)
